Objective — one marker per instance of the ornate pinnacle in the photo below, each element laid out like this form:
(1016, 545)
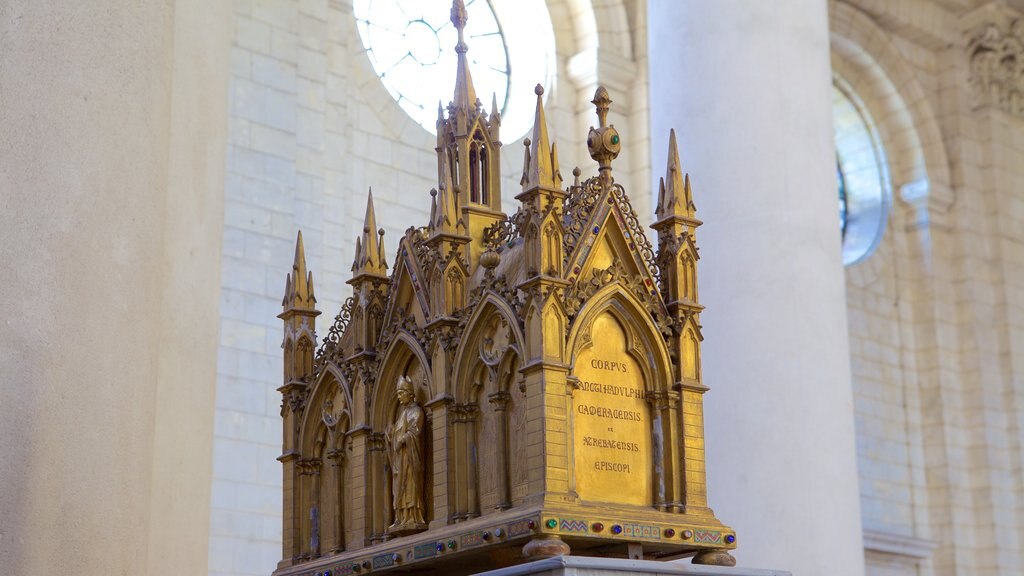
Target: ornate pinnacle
(495, 113)
(459, 18)
(603, 141)
(369, 252)
(298, 291)
(674, 192)
(541, 161)
(465, 94)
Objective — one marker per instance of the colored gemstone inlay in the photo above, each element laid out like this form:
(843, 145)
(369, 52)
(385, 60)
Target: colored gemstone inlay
(730, 538)
(499, 532)
(486, 535)
(439, 547)
(669, 532)
(531, 524)
(615, 139)
(597, 526)
(616, 529)
(552, 523)
(597, 229)
(687, 534)
(451, 544)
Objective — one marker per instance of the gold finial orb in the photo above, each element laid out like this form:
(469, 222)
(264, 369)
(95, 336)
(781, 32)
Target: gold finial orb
(603, 141)
(490, 259)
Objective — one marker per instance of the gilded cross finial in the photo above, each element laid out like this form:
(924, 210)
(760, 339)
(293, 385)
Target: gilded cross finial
(465, 95)
(459, 18)
(602, 101)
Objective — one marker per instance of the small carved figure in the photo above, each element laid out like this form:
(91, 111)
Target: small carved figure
(404, 445)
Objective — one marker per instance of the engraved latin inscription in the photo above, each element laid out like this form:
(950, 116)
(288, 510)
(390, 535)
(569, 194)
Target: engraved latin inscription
(611, 420)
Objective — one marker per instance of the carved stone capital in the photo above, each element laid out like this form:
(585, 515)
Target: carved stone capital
(995, 50)
(659, 399)
(462, 413)
(499, 400)
(375, 442)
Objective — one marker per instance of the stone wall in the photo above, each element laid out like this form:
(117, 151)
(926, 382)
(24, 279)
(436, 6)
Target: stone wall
(935, 313)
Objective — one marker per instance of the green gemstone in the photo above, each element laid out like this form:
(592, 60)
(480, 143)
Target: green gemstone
(615, 138)
(552, 523)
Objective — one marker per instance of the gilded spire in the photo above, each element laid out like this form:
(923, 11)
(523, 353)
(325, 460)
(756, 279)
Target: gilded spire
(465, 94)
(298, 287)
(495, 112)
(370, 248)
(541, 163)
(674, 197)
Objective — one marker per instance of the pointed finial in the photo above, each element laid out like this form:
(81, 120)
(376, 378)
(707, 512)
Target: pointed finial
(556, 174)
(459, 17)
(526, 163)
(299, 284)
(602, 101)
(540, 172)
(495, 112)
(380, 249)
(446, 214)
(673, 194)
(357, 261)
(465, 94)
(368, 248)
(433, 207)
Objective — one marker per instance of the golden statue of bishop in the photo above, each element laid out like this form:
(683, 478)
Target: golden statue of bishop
(405, 452)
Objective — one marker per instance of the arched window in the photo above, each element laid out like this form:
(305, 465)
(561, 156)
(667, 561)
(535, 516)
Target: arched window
(864, 188)
(478, 176)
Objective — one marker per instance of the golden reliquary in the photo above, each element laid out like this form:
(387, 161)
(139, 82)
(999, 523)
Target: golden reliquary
(517, 387)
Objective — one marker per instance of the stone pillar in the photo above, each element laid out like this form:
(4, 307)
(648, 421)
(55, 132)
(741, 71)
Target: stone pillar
(113, 147)
(746, 85)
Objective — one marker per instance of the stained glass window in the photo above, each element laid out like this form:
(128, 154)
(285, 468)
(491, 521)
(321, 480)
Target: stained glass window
(411, 45)
(862, 173)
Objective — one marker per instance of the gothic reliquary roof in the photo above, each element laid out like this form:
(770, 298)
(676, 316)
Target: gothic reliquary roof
(437, 414)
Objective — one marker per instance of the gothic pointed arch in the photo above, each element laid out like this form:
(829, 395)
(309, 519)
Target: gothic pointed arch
(644, 341)
(403, 357)
(471, 346)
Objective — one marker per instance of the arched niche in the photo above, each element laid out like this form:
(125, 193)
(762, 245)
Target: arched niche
(487, 366)
(620, 412)
(324, 475)
(403, 357)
